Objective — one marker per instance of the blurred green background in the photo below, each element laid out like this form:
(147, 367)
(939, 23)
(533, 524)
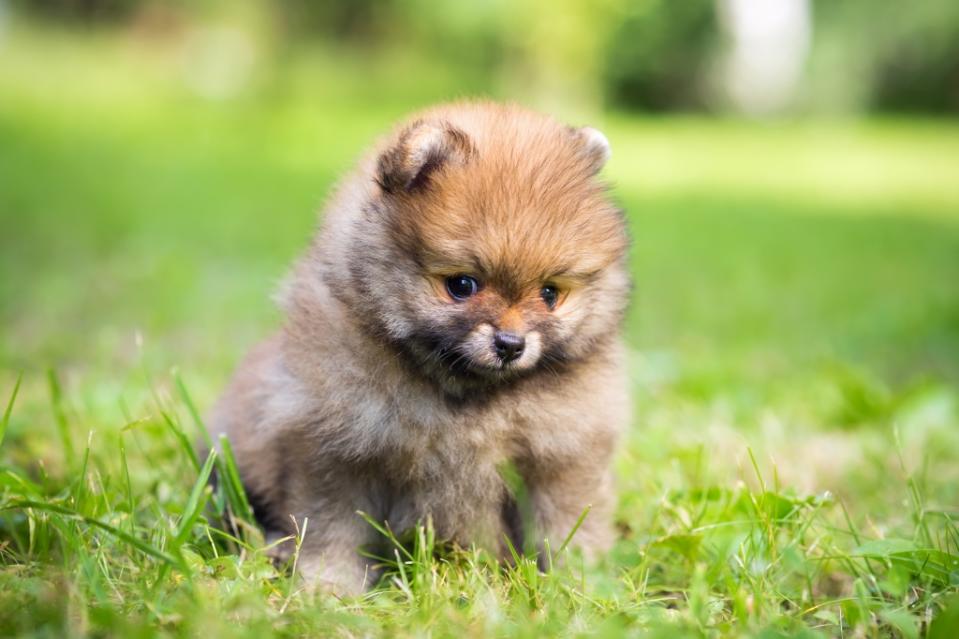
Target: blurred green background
(790, 169)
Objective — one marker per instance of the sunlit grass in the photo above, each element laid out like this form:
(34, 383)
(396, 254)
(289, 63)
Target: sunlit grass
(793, 469)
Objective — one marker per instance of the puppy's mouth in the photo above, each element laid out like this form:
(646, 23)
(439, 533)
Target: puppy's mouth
(471, 361)
(492, 371)
(460, 363)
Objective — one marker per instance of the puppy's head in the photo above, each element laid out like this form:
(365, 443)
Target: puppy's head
(490, 249)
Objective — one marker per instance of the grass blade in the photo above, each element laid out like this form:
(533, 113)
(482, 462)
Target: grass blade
(232, 483)
(387, 533)
(197, 500)
(182, 439)
(579, 522)
(127, 484)
(60, 416)
(191, 407)
(6, 414)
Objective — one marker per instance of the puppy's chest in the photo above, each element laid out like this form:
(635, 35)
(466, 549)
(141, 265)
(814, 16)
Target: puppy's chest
(445, 468)
(410, 436)
(445, 445)
(427, 441)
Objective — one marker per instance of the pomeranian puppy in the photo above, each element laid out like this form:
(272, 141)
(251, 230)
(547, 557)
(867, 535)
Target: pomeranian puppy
(458, 312)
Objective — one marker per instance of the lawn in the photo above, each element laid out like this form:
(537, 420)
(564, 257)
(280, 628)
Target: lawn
(793, 469)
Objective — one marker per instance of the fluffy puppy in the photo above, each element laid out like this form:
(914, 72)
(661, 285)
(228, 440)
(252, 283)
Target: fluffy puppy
(457, 311)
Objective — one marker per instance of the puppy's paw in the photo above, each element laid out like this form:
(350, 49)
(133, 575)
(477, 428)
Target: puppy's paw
(342, 577)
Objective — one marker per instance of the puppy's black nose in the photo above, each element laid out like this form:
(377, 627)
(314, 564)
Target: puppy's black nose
(508, 346)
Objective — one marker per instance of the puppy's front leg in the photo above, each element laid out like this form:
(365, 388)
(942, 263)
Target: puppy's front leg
(559, 497)
(330, 557)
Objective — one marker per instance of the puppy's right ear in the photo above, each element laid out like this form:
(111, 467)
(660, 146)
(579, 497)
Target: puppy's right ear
(595, 147)
(421, 149)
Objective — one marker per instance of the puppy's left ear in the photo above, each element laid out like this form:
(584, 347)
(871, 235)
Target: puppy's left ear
(422, 149)
(595, 147)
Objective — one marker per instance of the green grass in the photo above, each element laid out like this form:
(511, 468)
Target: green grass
(794, 465)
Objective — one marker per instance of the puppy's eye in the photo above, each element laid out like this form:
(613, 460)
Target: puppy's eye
(461, 287)
(550, 295)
